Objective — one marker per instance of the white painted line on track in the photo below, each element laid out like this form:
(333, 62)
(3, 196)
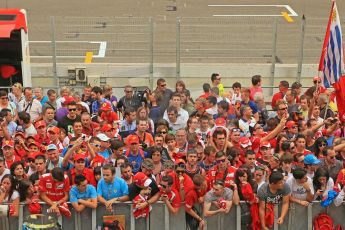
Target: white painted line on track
(101, 51)
(292, 13)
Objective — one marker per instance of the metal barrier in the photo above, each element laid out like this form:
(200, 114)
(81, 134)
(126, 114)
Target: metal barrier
(298, 218)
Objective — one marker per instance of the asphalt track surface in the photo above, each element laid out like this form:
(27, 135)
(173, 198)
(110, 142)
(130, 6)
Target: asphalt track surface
(205, 38)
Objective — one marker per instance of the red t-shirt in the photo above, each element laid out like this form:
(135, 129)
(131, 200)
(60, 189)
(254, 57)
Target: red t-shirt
(53, 189)
(88, 173)
(192, 198)
(110, 118)
(173, 197)
(215, 174)
(275, 98)
(187, 182)
(10, 162)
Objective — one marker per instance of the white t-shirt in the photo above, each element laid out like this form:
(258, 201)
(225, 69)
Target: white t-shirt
(297, 190)
(14, 196)
(5, 172)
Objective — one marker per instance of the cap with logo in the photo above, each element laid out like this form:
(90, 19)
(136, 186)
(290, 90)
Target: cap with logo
(51, 147)
(245, 142)
(141, 180)
(103, 137)
(7, 143)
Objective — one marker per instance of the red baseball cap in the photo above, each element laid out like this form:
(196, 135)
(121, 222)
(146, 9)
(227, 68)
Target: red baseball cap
(290, 124)
(106, 127)
(33, 155)
(220, 121)
(316, 78)
(141, 180)
(79, 156)
(67, 99)
(133, 139)
(180, 161)
(34, 143)
(40, 124)
(19, 133)
(245, 142)
(106, 106)
(54, 129)
(265, 144)
(8, 143)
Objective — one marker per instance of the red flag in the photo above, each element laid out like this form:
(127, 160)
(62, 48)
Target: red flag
(339, 87)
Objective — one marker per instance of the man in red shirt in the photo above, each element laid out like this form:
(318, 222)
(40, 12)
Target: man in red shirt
(169, 195)
(41, 135)
(79, 168)
(221, 171)
(193, 197)
(8, 151)
(54, 188)
(283, 87)
(107, 113)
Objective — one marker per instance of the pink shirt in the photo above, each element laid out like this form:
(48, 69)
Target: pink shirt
(253, 91)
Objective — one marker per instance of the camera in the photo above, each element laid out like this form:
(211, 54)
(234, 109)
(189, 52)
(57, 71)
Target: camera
(143, 145)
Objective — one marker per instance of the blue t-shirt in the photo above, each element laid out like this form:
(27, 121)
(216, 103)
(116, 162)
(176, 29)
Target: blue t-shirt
(252, 105)
(113, 190)
(105, 154)
(75, 194)
(136, 161)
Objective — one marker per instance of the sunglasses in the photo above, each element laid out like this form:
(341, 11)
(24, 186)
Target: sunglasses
(75, 109)
(96, 145)
(162, 132)
(3, 98)
(322, 145)
(236, 130)
(165, 186)
(31, 160)
(220, 161)
(319, 82)
(179, 171)
(163, 85)
(183, 166)
(285, 108)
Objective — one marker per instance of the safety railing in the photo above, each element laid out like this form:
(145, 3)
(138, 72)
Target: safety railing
(298, 218)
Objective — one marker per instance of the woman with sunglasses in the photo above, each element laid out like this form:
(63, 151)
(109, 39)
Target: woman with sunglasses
(6, 104)
(319, 146)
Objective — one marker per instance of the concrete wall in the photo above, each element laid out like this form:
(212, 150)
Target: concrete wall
(194, 75)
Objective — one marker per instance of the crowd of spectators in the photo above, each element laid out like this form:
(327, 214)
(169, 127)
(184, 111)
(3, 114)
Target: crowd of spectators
(213, 151)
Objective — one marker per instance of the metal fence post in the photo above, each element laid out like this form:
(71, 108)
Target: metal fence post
(274, 54)
(178, 51)
(52, 27)
(151, 51)
(301, 50)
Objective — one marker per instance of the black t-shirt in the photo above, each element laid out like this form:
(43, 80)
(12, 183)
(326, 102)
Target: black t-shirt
(67, 123)
(134, 190)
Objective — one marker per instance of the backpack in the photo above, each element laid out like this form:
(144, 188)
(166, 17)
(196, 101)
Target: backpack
(323, 222)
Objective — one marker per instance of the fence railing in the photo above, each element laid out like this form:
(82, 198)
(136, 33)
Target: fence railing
(298, 218)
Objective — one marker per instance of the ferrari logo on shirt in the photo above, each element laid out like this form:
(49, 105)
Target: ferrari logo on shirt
(49, 185)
